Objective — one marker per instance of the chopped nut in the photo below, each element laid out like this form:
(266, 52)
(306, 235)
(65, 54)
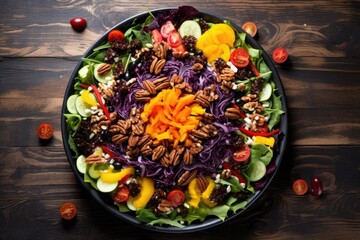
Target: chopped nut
(202, 183)
(119, 138)
(149, 86)
(197, 67)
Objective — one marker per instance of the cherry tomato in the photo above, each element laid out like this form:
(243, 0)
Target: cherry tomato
(280, 55)
(250, 28)
(316, 187)
(240, 57)
(115, 35)
(176, 197)
(121, 194)
(167, 29)
(156, 36)
(174, 39)
(78, 24)
(243, 154)
(300, 187)
(67, 211)
(45, 131)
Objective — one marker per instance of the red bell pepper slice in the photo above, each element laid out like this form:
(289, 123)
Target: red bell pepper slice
(108, 151)
(254, 69)
(242, 114)
(84, 85)
(252, 133)
(99, 98)
(234, 172)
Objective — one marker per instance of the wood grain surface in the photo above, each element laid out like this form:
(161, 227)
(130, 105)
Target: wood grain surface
(39, 51)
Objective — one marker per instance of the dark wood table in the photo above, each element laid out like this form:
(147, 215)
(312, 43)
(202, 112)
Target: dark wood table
(39, 50)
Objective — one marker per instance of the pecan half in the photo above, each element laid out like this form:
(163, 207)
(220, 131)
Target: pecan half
(187, 157)
(197, 67)
(232, 113)
(117, 129)
(159, 66)
(149, 86)
(158, 152)
(104, 69)
(119, 138)
(138, 128)
(145, 140)
(202, 183)
(195, 148)
(165, 206)
(146, 150)
(133, 140)
(142, 96)
(174, 156)
(95, 158)
(187, 177)
(200, 134)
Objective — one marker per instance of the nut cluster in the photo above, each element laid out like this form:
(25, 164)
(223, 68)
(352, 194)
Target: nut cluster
(225, 77)
(253, 105)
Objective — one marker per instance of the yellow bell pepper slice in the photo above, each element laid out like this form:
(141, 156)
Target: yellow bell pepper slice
(113, 177)
(147, 189)
(195, 193)
(269, 141)
(88, 98)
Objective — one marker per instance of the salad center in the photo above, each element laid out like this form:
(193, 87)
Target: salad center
(171, 115)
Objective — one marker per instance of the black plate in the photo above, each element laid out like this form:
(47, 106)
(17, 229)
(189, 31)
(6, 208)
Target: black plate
(105, 201)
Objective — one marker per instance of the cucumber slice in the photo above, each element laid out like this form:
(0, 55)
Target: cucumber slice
(106, 187)
(82, 107)
(71, 104)
(130, 205)
(265, 93)
(80, 164)
(190, 28)
(93, 173)
(85, 74)
(256, 170)
(102, 78)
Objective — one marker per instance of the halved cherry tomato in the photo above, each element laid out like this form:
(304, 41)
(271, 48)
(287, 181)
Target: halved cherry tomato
(115, 35)
(250, 28)
(240, 57)
(167, 29)
(156, 36)
(280, 55)
(300, 187)
(174, 40)
(68, 211)
(121, 194)
(243, 154)
(45, 131)
(176, 197)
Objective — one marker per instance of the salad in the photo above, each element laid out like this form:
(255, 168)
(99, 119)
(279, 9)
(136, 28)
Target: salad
(175, 119)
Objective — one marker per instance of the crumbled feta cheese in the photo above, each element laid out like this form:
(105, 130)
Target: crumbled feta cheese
(228, 189)
(249, 141)
(247, 120)
(87, 111)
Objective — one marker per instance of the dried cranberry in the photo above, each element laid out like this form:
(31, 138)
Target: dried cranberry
(78, 24)
(316, 187)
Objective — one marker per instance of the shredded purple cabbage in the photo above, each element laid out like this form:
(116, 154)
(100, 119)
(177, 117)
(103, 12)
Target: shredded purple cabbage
(215, 149)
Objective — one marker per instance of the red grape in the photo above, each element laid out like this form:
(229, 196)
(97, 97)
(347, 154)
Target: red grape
(316, 187)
